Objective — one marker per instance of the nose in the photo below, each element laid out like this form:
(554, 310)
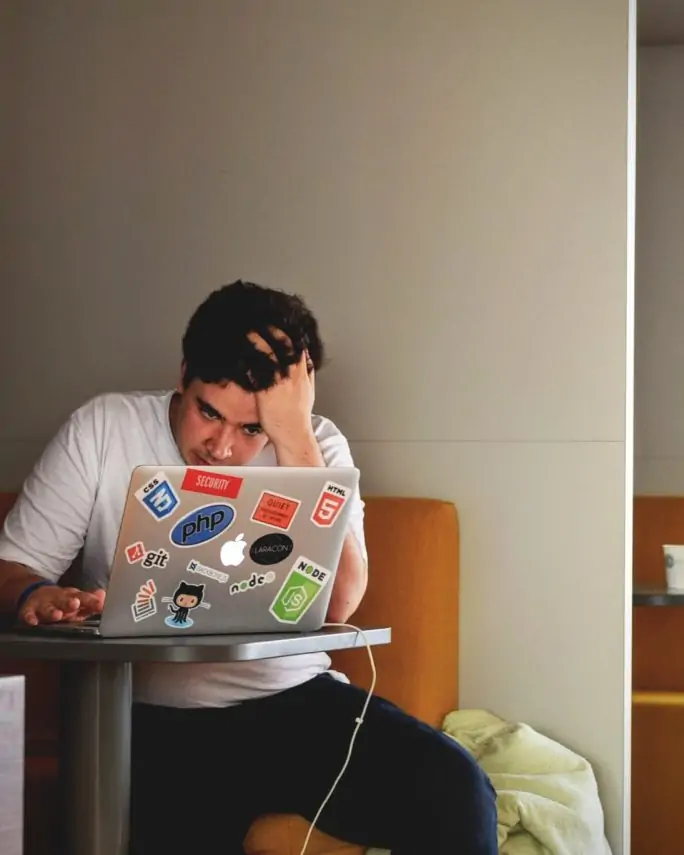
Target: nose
(222, 443)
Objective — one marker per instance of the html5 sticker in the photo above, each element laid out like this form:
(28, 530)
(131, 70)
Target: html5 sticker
(275, 510)
(329, 504)
(199, 481)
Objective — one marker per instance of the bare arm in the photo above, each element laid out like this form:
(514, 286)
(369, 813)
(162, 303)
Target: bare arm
(14, 578)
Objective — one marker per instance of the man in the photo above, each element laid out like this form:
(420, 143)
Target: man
(208, 738)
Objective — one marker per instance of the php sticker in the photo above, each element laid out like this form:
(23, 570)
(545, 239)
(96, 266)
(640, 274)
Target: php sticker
(158, 496)
(185, 599)
(145, 604)
(202, 525)
(329, 504)
(275, 510)
(209, 572)
(225, 486)
(303, 584)
(256, 580)
(156, 558)
(271, 548)
(135, 552)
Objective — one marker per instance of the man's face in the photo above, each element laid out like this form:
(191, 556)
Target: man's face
(216, 425)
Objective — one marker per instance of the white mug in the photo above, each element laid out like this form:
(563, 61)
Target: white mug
(674, 566)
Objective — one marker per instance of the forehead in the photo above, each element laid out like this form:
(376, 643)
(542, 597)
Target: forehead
(236, 405)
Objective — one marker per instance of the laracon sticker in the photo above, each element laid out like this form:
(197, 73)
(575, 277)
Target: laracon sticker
(271, 548)
(256, 580)
(301, 587)
(156, 558)
(158, 496)
(198, 481)
(202, 525)
(145, 604)
(185, 598)
(275, 510)
(209, 572)
(135, 552)
(329, 504)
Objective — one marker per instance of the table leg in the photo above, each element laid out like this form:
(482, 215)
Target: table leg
(95, 756)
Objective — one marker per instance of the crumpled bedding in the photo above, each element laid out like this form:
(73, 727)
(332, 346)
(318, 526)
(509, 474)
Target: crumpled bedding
(547, 796)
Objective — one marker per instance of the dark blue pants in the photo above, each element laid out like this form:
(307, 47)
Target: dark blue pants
(200, 777)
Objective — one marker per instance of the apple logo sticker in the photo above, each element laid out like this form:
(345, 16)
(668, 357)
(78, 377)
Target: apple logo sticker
(232, 552)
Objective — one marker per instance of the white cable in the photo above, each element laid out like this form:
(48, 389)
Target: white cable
(359, 722)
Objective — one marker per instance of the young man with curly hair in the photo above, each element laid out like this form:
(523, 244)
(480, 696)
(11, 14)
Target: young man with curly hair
(207, 738)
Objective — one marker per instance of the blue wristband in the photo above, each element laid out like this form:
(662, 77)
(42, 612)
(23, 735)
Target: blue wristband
(26, 593)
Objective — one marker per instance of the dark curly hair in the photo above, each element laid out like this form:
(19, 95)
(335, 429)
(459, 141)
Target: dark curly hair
(215, 344)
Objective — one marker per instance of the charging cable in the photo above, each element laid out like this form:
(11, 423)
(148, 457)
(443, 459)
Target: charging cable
(359, 722)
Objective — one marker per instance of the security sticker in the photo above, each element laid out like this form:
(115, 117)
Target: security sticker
(329, 504)
(185, 599)
(275, 510)
(199, 481)
(301, 587)
(145, 604)
(158, 497)
(135, 552)
(256, 580)
(209, 572)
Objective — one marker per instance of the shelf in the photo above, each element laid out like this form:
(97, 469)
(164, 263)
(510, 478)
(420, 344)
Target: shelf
(658, 699)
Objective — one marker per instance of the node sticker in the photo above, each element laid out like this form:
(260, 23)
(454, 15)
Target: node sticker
(303, 584)
(275, 510)
(256, 580)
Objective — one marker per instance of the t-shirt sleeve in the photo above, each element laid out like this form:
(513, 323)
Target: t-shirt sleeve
(46, 527)
(336, 452)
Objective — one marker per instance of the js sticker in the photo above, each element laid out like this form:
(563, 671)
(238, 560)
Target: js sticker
(158, 497)
(303, 584)
(329, 504)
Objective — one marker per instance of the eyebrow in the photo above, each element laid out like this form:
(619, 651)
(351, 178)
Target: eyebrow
(214, 412)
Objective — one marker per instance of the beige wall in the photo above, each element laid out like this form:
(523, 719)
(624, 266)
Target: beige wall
(447, 184)
(659, 391)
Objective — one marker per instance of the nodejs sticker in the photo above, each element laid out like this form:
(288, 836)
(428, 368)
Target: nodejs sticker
(275, 510)
(301, 587)
(145, 604)
(256, 580)
(202, 525)
(271, 548)
(185, 599)
(199, 481)
(329, 504)
(135, 552)
(209, 572)
(158, 496)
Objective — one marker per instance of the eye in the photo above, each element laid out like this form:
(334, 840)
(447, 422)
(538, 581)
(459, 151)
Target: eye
(208, 413)
(252, 430)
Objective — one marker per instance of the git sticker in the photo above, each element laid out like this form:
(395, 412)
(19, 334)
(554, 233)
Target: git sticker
(329, 504)
(135, 552)
(145, 604)
(198, 481)
(275, 510)
(158, 497)
(303, 584)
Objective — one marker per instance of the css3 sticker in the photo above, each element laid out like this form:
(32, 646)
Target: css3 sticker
(301, 587)
(145, 604)
(202, 525)
(329, 504)
(158, 497)
(185, 599)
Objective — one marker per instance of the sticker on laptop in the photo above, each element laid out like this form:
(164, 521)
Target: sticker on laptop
(209, 572)
(156, 558)
(135, 552)
(329, 504)
(158, 496)
(199, 481)
(233, 552)
(185, 599)
(202, 525)
(145, 604)
(271, 548)
(256, 580)
(275, 510)
(299, 591)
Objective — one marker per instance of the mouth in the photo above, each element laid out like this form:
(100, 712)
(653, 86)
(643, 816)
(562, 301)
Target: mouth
(201, 461)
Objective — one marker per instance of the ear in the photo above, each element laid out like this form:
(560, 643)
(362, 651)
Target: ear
(181, 386)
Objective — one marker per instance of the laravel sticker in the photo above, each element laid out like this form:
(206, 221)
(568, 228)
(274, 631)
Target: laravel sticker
(199, 481)
(329, 504)
(275, 510)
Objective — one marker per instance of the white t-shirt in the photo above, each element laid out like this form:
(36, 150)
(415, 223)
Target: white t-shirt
(74, 498)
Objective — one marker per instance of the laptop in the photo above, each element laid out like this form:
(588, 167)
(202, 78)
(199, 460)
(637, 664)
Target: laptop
(220, 550)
